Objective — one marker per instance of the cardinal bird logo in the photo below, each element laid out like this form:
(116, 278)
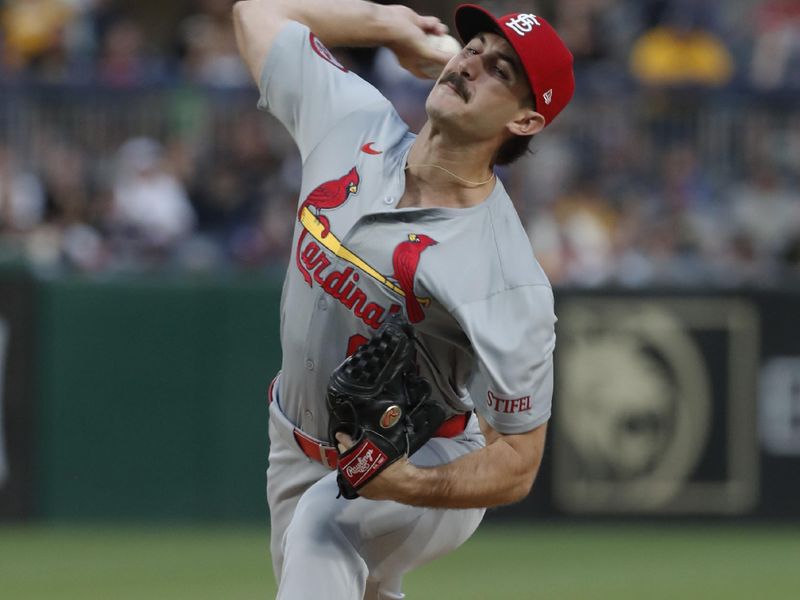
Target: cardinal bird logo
(326, 196)
(405, 261)
(324, 53)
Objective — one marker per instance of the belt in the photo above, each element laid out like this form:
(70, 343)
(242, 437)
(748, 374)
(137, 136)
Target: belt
(328, 455)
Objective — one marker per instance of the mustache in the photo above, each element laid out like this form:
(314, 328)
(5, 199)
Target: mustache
(459, 83)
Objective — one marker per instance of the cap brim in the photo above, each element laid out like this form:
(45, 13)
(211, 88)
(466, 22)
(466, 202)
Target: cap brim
(471, 20)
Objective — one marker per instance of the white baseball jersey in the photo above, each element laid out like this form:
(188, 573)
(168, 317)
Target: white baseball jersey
(466, 278)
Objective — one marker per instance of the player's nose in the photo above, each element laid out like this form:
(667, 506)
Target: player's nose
(468, 66)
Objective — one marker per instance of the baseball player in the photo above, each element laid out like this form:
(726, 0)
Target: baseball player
(392, 223)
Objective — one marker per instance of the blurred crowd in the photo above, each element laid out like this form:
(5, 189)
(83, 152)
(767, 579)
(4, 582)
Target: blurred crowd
(129, 140)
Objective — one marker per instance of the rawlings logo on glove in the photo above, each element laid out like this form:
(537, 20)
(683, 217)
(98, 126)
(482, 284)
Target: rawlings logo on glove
(371, 460)
(376, 397)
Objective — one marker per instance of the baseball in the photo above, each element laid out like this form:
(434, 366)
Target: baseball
(445, 43)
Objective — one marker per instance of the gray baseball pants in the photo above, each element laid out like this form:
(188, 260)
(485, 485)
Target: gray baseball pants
(330, 548)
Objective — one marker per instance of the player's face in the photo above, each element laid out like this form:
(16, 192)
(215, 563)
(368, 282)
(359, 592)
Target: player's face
(483, 91)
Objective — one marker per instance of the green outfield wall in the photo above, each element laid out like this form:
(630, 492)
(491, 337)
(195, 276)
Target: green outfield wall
(145, 399)
(152, 397)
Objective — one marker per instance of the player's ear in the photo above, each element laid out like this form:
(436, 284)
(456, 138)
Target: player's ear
(528, 122)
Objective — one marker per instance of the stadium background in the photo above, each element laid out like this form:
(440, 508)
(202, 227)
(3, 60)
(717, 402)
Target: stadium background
(145, 210)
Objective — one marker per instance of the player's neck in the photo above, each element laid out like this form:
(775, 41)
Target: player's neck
(446, 173)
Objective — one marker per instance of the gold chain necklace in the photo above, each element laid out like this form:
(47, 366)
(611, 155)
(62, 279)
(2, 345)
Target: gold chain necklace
(467, 181)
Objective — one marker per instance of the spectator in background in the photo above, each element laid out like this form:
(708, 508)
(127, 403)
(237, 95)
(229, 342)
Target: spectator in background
(599, 34)
(682, 50)
(662, 196)
(124, 60)
(220, 199)
(229, 191)
(150, 207)
(766, 211)
(573, 237)
(688, 209)
(53, 40)
(83, 37)
(208, 46)
(65, 176)
(775, 60)
(547, 242)
(266, 239)
(587, 222)
(71, 211)
(32, 29)
(22, 200)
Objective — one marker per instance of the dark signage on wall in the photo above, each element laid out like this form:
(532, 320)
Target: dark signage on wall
(673, 404)
(16, 396)
(656, 406)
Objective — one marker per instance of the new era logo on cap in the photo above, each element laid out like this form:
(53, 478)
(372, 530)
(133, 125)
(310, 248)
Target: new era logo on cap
(545, 58)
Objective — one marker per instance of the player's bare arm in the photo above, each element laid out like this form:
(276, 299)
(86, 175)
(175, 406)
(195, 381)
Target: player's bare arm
(501, 473)
(339, 23)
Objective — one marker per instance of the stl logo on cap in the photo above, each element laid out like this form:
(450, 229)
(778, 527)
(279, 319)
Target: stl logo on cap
(545, 59)
(523, 23)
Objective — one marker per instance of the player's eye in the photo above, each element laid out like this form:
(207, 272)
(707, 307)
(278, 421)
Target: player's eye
(501, 72)
(471, 51)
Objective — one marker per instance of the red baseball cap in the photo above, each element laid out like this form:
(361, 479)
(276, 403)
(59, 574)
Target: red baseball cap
(545, 58)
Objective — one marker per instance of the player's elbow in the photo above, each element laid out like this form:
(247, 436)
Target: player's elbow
(241, 9)
(521, 487)
(243, 6)
(528, 451)
(251, 16)
(523, 473)
(245, 11)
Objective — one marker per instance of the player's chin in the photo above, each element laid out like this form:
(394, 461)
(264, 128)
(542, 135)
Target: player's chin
(444, 104)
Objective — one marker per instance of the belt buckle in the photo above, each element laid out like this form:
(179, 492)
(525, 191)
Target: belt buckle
(323, 457)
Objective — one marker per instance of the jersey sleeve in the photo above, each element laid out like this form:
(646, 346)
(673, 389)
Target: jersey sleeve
(307, 89)
(512, 334)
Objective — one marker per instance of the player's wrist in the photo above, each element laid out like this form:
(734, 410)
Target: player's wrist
(406, 34)
(403, 483)
(393, 24)
(417, 485)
